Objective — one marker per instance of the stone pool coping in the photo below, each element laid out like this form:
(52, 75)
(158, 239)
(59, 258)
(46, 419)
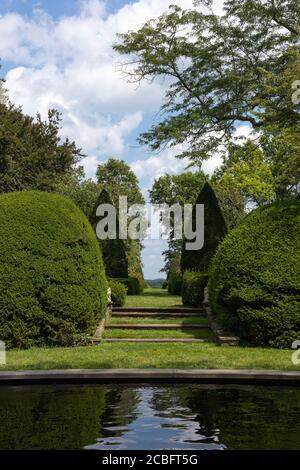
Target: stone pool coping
(205, 376)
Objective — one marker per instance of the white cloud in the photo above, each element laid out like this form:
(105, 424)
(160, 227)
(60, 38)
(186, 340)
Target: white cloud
(69, 64)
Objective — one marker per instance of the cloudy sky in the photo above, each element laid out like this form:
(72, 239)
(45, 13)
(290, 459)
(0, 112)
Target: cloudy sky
(58, 54)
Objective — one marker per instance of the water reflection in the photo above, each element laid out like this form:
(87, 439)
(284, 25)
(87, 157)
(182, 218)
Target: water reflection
(149, 417)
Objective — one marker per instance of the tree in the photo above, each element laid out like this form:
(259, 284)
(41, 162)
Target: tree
(215, 230)
(238, 68)
(83, 192)
(113, 250)
(183, 189)
(247, 170)
(118, 179)
(32, 155)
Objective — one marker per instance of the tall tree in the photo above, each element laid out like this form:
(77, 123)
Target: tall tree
(32, 155)
(224, 71)
(113, 250)
(183, 189)
(118, 179)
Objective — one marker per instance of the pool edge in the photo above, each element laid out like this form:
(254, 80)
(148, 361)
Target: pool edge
(218, 376)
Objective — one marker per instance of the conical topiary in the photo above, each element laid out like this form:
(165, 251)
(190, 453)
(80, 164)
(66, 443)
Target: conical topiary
(113, 251)
(215, 230)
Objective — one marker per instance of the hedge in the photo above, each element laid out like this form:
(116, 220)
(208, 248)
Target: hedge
(53, 289)
(132, 284)
(254, 284)
(193, 285)
(175, 284)
(118, 293)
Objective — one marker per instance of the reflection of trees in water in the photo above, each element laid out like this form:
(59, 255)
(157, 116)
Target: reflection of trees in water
(38, 418)
(120, 410)
(75, 417)
(242, 418)
(186, 402)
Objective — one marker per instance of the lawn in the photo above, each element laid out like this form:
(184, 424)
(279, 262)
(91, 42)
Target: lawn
(127, 355)
(158, 298)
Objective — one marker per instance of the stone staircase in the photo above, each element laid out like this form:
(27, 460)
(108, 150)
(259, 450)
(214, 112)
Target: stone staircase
(152, 325)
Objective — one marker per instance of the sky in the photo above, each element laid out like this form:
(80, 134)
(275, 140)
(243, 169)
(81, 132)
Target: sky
(58, 54)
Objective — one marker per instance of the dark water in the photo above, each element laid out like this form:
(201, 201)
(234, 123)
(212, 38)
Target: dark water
(149, 417)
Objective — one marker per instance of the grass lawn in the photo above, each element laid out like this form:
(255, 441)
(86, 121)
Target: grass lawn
(126, 355)
(161, 320)
(159, 298)
(130, 333)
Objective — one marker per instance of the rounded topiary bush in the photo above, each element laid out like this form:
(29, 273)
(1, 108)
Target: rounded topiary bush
(118, 293)
(193, 285)
(53, 288)
(254, 284)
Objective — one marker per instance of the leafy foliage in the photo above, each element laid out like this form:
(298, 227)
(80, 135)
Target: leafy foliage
(224, 71)
(254, 282)
(52, 282)
(183, 189)
(193, 286)
(118, 293)
(32, 155)
(132, 285)
(113, 250)
(117, 178)
(215, 230)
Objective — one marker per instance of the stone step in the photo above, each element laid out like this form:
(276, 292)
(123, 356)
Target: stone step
(179, 311)
(156, 314)
(153, 340)
(149, 326)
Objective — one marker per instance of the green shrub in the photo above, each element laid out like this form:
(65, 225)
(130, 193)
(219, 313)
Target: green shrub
(53, 289)
(254, 282)
(175, 284)
(193, 285)
(118, 293)
(132, 285)
(165, 285)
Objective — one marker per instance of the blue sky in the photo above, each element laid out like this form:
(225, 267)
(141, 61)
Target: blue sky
(58, 54)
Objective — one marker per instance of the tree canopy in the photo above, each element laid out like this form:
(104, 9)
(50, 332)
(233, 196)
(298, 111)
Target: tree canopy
(32, 155)
(224, 71)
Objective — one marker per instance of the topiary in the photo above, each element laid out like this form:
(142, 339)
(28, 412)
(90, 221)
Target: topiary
(175, 283)
(215, 230)
(53, 288)
(113, 250)
(193, 285)
(132, 285)
(118, 293)
(254, 285)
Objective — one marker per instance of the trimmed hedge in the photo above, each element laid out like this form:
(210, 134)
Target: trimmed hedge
(53, 289)
(118, 293)
(132, 284)
(175, 284)
(193, 285)
(254, 284)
